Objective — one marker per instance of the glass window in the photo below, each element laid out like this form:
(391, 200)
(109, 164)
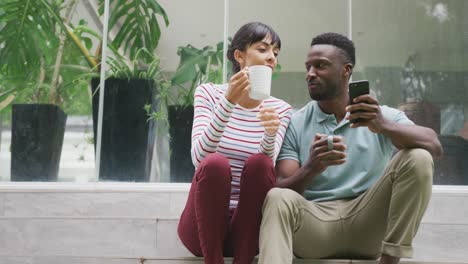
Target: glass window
(415, 57)
(412, 52)
(46, 49)
(191, 54)
(296, 26)
(162, 78)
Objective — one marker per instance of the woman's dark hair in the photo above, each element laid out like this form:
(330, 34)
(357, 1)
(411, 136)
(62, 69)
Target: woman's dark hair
(247, 35)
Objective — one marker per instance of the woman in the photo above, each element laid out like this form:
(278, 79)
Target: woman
(235, 141)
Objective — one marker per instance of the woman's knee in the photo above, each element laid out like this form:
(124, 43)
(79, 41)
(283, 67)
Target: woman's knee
(259, 161)
(215, 167)
(258, 177)
(215, 163)
(259, 169)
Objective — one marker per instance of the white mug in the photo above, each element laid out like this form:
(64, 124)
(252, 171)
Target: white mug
(260, 82)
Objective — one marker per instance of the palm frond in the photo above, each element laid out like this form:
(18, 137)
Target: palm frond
(29, 45)
(23, 23)
(137, 24)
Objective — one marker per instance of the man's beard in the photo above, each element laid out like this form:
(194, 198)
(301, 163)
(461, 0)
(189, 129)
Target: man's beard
(327, 94)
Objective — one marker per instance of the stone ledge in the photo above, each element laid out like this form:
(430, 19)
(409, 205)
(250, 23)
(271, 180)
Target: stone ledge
(147, 187)
(94, 187)
(157, 201)
(187, 260)
(298, 261)
(44, 222)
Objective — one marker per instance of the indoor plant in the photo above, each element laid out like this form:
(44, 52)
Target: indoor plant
(196, 66)
(38, 66)
(133, 78)
(47, 24)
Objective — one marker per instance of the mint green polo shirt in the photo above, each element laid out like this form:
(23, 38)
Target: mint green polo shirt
(367, 153)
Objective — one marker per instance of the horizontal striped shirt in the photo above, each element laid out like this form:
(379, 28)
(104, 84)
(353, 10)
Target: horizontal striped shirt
(234, 131)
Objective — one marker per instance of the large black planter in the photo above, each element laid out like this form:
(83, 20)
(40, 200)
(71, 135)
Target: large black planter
(126, 145)
(452, 169)
(36, 141)
(180, 130)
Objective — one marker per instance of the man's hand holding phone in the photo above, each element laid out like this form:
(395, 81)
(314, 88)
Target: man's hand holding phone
(326, 151)
(364, 109)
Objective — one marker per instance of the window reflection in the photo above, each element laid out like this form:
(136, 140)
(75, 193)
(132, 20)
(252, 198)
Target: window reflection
(413, 53)
(42, 57)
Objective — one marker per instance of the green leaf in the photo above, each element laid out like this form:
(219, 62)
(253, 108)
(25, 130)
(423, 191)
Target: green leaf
(139, 27)
(276, 72)
(196, 66)
(184, 74)
(88, 42)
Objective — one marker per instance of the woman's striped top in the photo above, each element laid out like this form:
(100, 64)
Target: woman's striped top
(234, 131)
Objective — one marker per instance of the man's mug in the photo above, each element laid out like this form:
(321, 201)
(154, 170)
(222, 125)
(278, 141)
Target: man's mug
(332, 139)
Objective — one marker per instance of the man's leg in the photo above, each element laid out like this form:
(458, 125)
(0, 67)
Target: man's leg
(258, 177)
(385, 219)
(293, 225)
(204, 221)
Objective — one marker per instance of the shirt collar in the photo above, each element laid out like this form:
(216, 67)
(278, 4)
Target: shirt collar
(321, 116)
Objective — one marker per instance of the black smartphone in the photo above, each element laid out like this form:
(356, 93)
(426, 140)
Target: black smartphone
(357, 89)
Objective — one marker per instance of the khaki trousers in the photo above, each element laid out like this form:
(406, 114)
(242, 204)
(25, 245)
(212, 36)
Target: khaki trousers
(383, 220)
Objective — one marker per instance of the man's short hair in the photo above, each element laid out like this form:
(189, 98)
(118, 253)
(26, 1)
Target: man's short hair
(345, 45)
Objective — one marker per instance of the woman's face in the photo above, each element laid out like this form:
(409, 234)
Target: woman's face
(259, 53)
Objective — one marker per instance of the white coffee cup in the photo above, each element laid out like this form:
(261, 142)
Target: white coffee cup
(260, 82)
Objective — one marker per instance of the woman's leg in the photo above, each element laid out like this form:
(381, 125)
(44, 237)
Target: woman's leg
(258, 177)
(204, 221)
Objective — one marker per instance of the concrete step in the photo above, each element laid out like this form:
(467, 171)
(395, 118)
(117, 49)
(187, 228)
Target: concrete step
(187, 260)
(121, 222)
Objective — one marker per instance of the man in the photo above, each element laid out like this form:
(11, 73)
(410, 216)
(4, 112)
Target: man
(342, 194)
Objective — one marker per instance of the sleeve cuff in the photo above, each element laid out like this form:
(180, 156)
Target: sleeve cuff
(228, 105)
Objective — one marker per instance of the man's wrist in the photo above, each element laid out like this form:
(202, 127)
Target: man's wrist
(386, 126)
(309, 168)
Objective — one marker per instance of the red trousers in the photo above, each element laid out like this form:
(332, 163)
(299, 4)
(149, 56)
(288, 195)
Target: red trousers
(207, 227)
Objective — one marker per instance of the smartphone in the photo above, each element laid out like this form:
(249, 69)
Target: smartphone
(357, 89)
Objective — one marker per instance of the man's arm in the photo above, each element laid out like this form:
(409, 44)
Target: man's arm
(291, 175)
(402, 135)
(413, 136)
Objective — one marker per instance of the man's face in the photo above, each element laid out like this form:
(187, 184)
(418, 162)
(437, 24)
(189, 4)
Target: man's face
(325, 68)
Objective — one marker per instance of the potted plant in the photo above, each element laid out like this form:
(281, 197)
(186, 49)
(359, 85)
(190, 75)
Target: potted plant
(133, 78)
(38, 66)
(196, 66)
(134, 24)
(127, 134)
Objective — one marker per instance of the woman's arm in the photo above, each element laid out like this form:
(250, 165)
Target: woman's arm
(276, 122)
(209, 122)
(210, 118)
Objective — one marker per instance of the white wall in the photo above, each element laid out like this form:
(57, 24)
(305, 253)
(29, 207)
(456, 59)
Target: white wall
(385, 32)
